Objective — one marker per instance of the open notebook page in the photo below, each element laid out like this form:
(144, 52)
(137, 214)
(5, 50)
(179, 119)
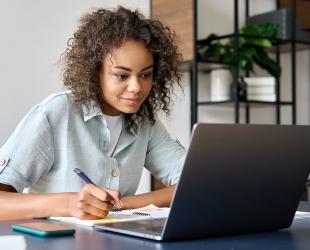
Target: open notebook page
(150, 210)
(147, 212)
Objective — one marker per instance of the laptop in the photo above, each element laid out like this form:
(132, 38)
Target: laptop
(236, 179)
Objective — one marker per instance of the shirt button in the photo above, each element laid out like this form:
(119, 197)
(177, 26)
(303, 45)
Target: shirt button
(2, 162)
(115, 173)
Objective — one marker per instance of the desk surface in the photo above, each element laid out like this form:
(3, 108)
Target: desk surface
(295, 237)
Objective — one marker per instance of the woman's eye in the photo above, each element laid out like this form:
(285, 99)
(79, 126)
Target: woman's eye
(147, 75)
(121, 76)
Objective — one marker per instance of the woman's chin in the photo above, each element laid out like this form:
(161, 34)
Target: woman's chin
(130, 110)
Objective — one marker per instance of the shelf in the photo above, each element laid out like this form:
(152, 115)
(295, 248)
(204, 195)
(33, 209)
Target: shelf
(284, 44)
(204, 66)
(274, 40)
(231, 102)
(188, 19)
(208, 65)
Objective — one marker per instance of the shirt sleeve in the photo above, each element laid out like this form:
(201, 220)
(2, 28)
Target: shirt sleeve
(28, 153)
(165, 156)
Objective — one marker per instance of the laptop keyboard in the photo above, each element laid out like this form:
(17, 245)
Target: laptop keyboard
(155, 226)
(143, 226)
(156, 230)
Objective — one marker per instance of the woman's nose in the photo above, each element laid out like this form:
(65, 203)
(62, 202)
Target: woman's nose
(134, 85)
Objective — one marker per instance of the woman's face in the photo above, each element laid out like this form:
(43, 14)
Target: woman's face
(126, 78)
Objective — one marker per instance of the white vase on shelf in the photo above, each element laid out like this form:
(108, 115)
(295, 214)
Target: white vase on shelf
(220, 85)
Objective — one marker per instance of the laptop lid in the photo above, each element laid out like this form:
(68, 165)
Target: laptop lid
(238, 179)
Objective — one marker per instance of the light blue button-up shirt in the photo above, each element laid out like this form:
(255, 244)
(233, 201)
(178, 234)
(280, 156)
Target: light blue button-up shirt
(57, 136)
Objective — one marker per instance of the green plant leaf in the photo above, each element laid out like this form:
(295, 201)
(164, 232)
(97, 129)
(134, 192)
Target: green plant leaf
(246, 54)
(226, 57)
(265, 29)
(262, 59)
(213, 51)
(247, 51)
(243, 62)
(209, 39)
(241, 42)
(261, 42)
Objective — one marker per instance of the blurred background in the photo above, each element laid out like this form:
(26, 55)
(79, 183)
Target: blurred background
(34, 34)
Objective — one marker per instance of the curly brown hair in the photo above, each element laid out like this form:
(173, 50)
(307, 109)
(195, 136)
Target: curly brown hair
(101, 31)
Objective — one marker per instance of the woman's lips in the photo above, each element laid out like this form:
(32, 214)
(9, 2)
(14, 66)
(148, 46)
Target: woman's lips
(131, 101)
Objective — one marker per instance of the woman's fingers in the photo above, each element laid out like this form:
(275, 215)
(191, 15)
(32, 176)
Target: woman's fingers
(87, 210)
(93, 202)
(116, 198)
(97, 192)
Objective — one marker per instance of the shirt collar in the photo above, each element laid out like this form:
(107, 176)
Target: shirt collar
(91, 109)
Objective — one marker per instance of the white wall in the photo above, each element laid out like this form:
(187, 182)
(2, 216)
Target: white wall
(34, 33)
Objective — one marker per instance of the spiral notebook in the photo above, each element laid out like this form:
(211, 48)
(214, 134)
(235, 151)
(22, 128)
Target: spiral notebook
(147, 212)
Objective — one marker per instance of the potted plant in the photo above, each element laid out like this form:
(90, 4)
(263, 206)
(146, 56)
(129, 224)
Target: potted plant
(252, 42)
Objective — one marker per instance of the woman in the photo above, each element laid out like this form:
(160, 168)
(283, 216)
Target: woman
(120, 69)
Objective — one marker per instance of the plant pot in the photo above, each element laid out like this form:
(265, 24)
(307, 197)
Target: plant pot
(220, 85)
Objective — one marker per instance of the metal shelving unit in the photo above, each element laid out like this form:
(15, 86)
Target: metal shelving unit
(280, 45)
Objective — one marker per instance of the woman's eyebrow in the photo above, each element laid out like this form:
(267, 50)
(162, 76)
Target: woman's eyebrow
(123, 68)
(128, 69)
(148, 67)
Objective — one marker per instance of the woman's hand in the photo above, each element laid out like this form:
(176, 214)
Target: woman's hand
(93, 202)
